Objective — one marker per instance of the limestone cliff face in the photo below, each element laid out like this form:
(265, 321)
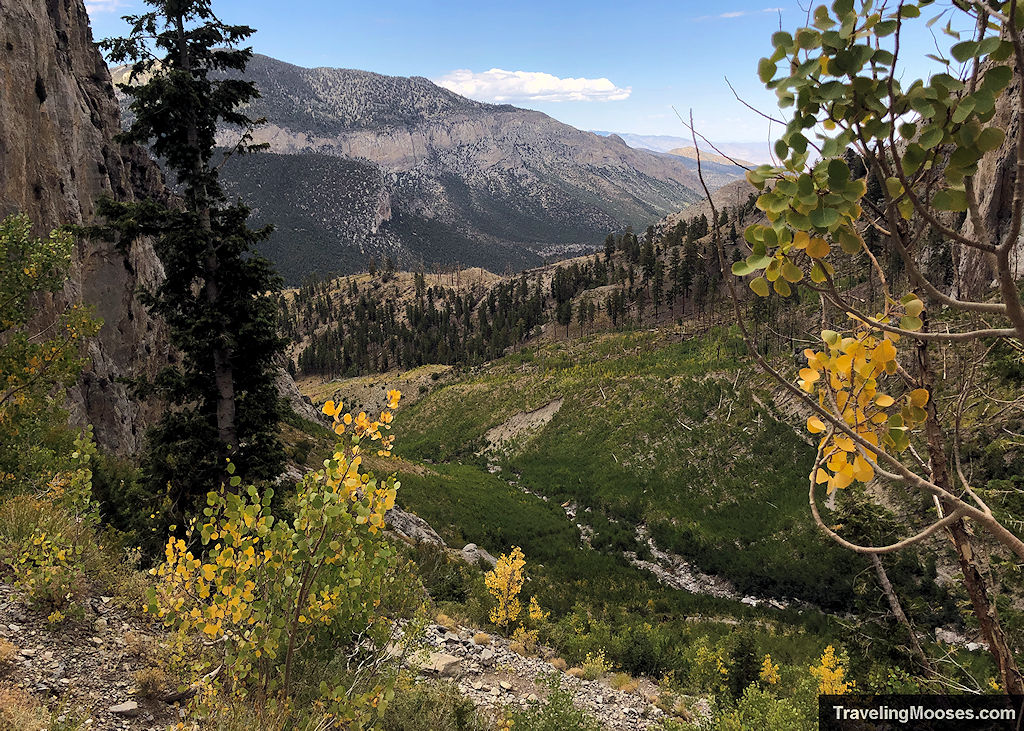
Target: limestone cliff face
(58, 118)
(994, 183)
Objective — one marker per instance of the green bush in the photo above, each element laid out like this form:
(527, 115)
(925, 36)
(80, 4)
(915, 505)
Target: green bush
(556, 712)
(437, 706)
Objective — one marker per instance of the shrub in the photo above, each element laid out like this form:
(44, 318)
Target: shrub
(49, 542)
(154, 682)
(8, 656)
(526, 640)
(758, 709)
(576, 672)
(556, 713)
(481, 638)
(504, 583)
(558, 664)
(19, 711)
(445, 578)
(447, 622)
(595, 665)
(269, 596)
(430, 707)
(624, 682)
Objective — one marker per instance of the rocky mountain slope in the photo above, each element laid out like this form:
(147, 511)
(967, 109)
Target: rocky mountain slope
(392, 166)
(58, 118)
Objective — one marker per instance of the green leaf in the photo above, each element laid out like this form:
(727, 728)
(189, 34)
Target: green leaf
(760, 286)
(782, 39)
(950, 199)
(908, 130)
(742, 269)
(823, 217)
(766, 70)
(964, 51)
(997, 77)
(963, 110)
(894, 187)
(791, 272)
(990, 138)
(759, 261)
(911, 324)
(931, 136)
(838, 174)
(849, 241)
(885, 28)
(807, 38)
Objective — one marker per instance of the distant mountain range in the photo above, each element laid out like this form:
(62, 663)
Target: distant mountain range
(363, 165)
(756, 152)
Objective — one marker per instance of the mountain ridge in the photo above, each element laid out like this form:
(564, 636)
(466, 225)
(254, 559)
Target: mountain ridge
(448, 179)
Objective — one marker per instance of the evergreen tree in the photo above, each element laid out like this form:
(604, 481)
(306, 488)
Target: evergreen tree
(218, 295)
(658, 286)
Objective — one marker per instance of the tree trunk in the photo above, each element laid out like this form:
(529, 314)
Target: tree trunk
(901, 617)
(974, 580)
(224, 380)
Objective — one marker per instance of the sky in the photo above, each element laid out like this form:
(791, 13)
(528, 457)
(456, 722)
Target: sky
(597, 65)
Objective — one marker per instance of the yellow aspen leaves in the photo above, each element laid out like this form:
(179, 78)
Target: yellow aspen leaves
(769, 671)
(504, 583)
(846, 375)
(264, 587)
(831, 673)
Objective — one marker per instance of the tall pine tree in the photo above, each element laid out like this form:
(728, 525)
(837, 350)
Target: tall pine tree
(218, 295)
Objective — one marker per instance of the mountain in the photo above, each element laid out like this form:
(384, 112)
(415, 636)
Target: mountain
(690, 152)
(368, 165)
(758, 152)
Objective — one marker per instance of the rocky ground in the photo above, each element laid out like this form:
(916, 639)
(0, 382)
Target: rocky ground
(495, 677)
(84, 671)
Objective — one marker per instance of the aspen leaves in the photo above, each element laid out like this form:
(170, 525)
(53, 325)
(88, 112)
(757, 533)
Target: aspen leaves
(504, 584)
(847, 375)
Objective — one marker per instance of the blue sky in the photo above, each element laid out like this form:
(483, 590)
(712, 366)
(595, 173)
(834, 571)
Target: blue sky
(598, 64)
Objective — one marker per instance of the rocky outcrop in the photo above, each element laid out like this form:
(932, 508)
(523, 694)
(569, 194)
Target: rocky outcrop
(58, 119)
(994, 182)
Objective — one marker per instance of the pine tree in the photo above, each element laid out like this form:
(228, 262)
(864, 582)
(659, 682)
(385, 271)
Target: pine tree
(218, 295)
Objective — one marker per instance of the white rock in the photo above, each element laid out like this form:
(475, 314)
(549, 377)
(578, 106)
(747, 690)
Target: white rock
(128, 708)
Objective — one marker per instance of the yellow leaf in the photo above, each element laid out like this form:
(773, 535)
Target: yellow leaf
(818, 248)
(919, 397)
(862, 469)
(884, 400)
(815, 425)
(885, 352)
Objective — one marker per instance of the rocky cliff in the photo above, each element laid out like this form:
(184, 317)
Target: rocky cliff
(58, 118)
(994, 183)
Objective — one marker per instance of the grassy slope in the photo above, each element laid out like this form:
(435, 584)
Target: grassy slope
(727, 492)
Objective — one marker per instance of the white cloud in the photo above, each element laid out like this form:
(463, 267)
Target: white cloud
(498, 85)
(737, 14)
(104, 6)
